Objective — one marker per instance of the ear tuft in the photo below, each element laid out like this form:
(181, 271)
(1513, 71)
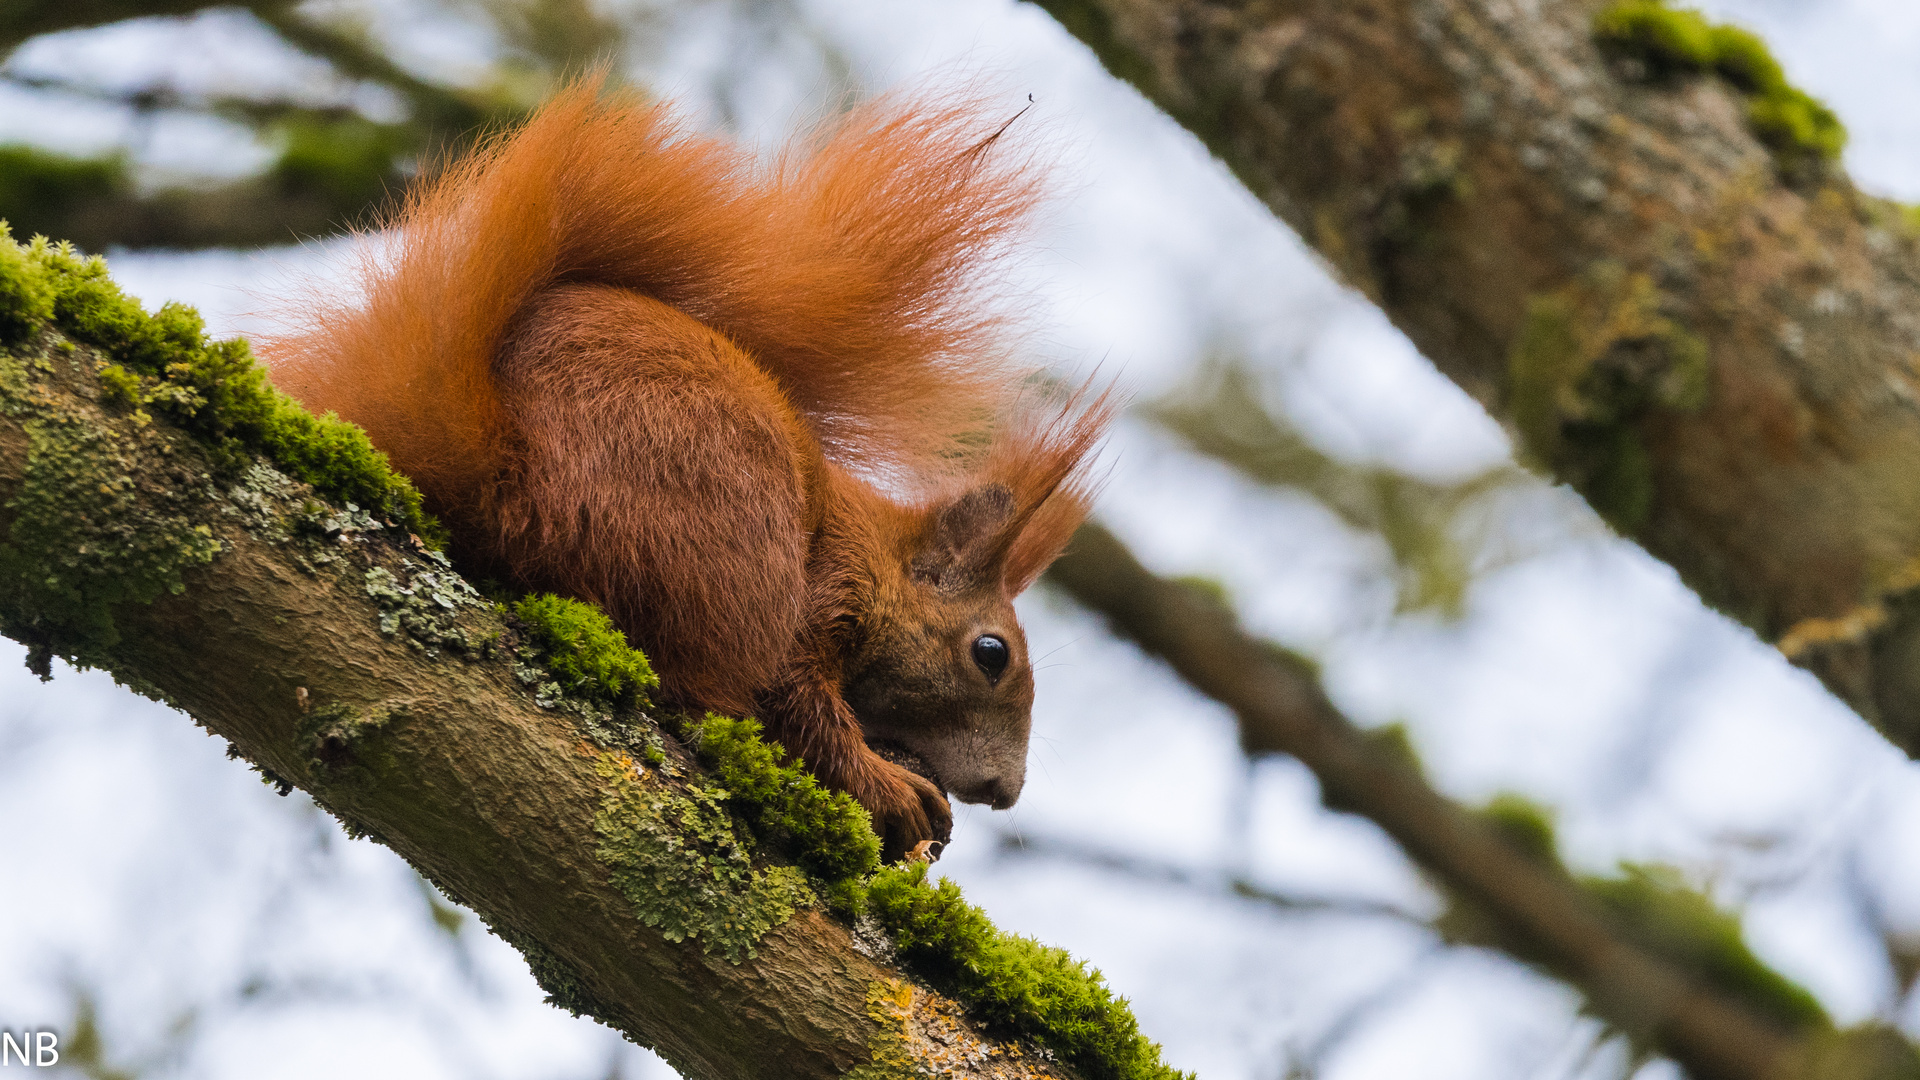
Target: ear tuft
(968, 539)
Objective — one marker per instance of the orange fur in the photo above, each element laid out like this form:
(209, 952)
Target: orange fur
(734, 405)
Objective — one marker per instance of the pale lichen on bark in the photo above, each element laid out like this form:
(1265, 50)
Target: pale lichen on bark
(676, 856)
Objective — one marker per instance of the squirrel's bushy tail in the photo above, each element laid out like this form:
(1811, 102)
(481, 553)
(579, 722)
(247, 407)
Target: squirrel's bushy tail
(852, 269)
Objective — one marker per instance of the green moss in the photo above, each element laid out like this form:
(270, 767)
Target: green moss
(828, 832)
(83, 1048)
(1600, 351)
(119, 387)
(1870, 1051)
(677, 859)
(1620, 486)
(1014, 985)
(1654, 907)
(1803, 133)
(1800, 130)
(26, 295)
(1588, 363)
(1525, 824)
(1686, 377)
(164, 362)
(340, 461)
(1667, 40)
(86, 537)
(1391, 742)
(1396, 742)
(583, 650)
(1212, 588)
(1742, 58)
(1546, 360)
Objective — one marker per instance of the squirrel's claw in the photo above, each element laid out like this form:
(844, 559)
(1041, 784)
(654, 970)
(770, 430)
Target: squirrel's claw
(908, 811)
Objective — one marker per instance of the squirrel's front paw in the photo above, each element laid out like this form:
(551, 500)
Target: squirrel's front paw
(908, 810)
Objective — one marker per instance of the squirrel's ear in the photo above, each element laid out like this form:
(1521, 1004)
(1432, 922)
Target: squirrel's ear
(968, 540)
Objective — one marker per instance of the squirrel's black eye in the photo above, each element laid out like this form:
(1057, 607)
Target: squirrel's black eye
(991, 655)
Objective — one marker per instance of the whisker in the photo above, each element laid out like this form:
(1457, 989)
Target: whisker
(1057, 648)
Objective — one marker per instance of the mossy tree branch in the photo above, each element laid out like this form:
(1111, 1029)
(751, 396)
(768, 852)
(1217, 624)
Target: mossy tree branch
(677, 882)
(1654, 961)
(1624, 233)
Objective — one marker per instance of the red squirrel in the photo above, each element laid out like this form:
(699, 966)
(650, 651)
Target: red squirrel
(760, 414)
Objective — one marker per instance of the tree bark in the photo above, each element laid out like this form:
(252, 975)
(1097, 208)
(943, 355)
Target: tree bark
(347, 661)
(1721, 360)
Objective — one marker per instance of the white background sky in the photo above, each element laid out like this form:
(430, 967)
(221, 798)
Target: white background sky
(227, 932)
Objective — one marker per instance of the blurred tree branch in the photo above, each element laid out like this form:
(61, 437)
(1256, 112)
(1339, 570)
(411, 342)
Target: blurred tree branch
(1651, 960)
(1681, 308)
(1141, 868)
(23, 19)
(1440, 534)
(335, 167)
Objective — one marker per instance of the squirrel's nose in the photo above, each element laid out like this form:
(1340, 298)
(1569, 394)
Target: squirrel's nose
(998, 792)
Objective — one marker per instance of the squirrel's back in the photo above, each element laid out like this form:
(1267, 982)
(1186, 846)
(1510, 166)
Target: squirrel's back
(851, 270)
(626, 362)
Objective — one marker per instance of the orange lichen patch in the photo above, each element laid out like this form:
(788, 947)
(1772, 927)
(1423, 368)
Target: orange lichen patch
(1851, 627)
(1907, 577)
(926, 1035)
